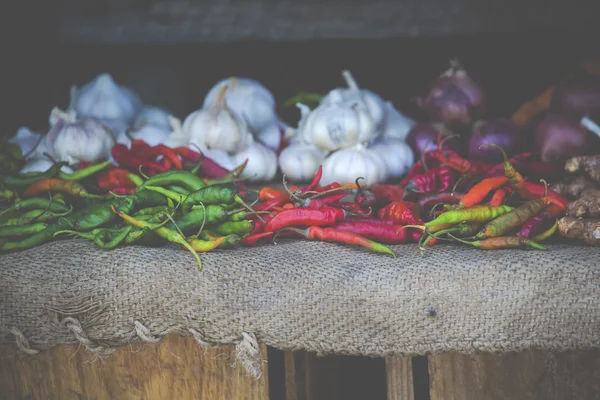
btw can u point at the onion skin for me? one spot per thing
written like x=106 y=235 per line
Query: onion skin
x=558 y=138
x=577 y=97
x=423 y=138
x=454 y=98
x=501 y=132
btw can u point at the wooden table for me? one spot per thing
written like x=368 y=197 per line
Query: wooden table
x=177 y=368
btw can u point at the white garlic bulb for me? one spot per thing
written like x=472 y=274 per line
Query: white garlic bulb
x=151 y=115
x=42 y=165
x=300 y=162
x=248 y=98
x=354 y=94
x=73 y=140
x=396 y=125
x=217 y=127
x=151 y=134
x=262 y=162
x=337 y=125
x=106 y=101
x=396 y=154
x=177 y=137
x=346 y=165
x=271 y=136
x=32 y=144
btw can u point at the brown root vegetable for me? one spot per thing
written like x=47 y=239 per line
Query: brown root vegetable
x=574 y=187
x=589 y=164
x=588 y=205
x=586 y=230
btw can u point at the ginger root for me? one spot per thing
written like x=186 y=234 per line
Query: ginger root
x=574 y=187
x=586 y=230
x=588 y=205
x=589 y=164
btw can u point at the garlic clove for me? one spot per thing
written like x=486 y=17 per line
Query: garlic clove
x=271 y=136
x=397 y=156
x=262 y=162
x=300 y=162
x=396 y=124
x=346 y=165
x=152 y=115
x=177 y=137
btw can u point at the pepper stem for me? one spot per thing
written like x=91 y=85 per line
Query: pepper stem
x=241 y=201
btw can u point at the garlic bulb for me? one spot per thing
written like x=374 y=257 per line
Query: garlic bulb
x=217 y=127
x=74 y=140
x=42 y=165
x=247 y=98
x=262 y=162
x=396 y=124
x=32 y=144
x=105 y=100
x=271 y=136
x=396 y=154
x=300 y=162
x=337 y=125
x=177 y=137
x=152 y=116
x=354 y=94
x=346 y=165
x=151 y=134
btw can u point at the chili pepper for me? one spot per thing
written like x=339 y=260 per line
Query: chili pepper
x=515 y=218
x=266 y=194
x=105 y=238
x=209 y=168
x=213 y=195
x=235 y=227
x=400 y=212
x=175 y=177
x=498 y=197
x=167 y=153
x=137 y=181
x=538 y=223
x=502 y=242
x=479 y=213
x=254 y=238
x=541 y=237
x=317 y=203
x=115 y=178
x=193 y=220
x=480 y=191
x=425 y=182
x=35 y=215
x=337 y=236
x=29 y=180
x=533 y=191
x=431 y=200
x=19 y=230
x=36 y=203
x=305 y=217
x=58 y=185
x=204 y=246
x=152 y=210
x=123 y=191
x=126 y=158
x=383 y=233
x=456 y=162
x=242 y=215
x=315 y=182
x=445 y=179
x=145 y=237
x=84 y=172
x=165 y=233
x=416 y=169
x=188 y=154
x=179 y=198
x=271 y=204
x=459 y=230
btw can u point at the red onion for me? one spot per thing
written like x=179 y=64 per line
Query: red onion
x=423 y=138
x=557 y=138
x=577 y=97
x=454 y=98
x=501 y=132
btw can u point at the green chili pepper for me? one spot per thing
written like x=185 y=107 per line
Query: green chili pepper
x=35 y=215
x=179 y=189
x=479 y=213
x=8 y=231
x=28 y=180
x=37 y=202
x=105 y=238
x=176 y=177
x=143 y=237
x=214 y=195
x=85 y=172
x=204 y=246
x=152 y=210
x=167 y=193
x=194 y=220
x=237 y=227
x=137 y=181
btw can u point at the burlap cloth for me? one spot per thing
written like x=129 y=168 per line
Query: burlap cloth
x=315 y=296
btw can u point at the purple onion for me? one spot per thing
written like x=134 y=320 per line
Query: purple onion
x=558 y=138
x=423 y=138
x=577 y=97
x=454 y=98
x=501 y=132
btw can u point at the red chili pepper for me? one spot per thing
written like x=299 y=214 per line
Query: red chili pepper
x=324 y=201
x=535 y=225
x=267 y=193
x=315 y=182
x=253 y=239
x=270 y=204
x=480 y=191
x=456 y=162
x=498 y=197
x=140 y=149
x=124 y=158
x=533 y=191
x=400 y=212
x=114 y=178
x=390 y=234
x=124 y=191
x=388 y=193
x=167 y=153
x=165 y=162
x=305 y=217
x=188 y=154
x=445 y=178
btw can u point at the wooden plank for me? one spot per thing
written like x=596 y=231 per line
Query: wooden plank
x=175 y=368
x=528 y=375
x=169 y=21
x=399 y=373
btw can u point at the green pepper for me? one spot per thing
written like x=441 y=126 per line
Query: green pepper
x=14 y=231
x=214 y=195
x=235 y=227
x=175 y=177
x=28 y=180
x=84 y=172
x=37 y=203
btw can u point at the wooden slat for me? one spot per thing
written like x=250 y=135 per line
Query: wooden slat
x=399 y=373
x=528 y=375
x=176 y=368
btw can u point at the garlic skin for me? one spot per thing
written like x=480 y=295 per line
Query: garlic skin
x=299 y=162
x=29 y=141
x=271 y=136
x=177 y=137
x=397 y=156
x=248 y=98
x=217 y=127
x=151 y=115
x=42 y=165
x=151 y=134
x=262 y=162
x=396 y=125
x=105 y=100
x=74 y=140
x=337 y=125
x=373 y=103
x=346 y=165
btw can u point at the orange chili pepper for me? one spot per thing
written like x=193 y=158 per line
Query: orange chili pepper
x=498 y=197
x=480 y=191
x=58 y=185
